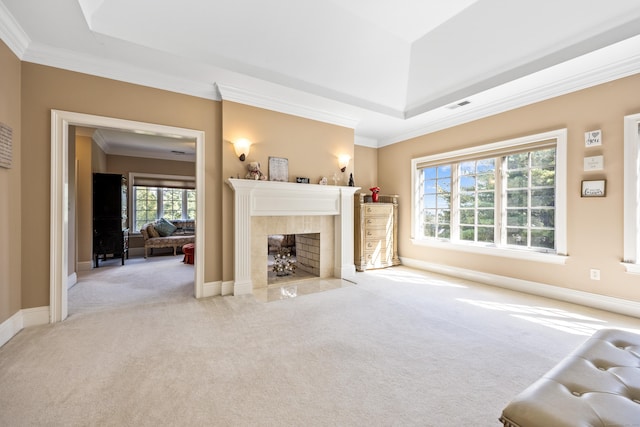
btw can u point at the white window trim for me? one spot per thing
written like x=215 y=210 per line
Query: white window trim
x=631 y=195
x=560 y=257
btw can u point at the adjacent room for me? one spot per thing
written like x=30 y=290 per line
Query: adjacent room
x=320 y=213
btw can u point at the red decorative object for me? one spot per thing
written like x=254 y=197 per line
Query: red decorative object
x=189 y=253
x=374 y=193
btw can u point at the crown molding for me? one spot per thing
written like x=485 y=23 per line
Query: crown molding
x=116 y=70
x=234 y=94
x=12 y=33
x=365 y=141
x=572 y=83
x=98 y=138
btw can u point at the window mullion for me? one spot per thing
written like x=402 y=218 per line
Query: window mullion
x=529 y=186
x=455 y=202
x=501 y=202
x=160 y=202
x=184 y=204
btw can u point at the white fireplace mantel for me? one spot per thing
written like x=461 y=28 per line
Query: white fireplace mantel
x=270 y=198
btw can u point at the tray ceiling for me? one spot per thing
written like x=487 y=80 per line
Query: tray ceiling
x=389 y=69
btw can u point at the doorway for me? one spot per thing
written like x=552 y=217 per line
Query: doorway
x=60 y=123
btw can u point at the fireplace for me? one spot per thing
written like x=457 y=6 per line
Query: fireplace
x=264 y=208
x=292 y=257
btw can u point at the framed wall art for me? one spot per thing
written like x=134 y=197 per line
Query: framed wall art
x=596 y=188
x=278 y=169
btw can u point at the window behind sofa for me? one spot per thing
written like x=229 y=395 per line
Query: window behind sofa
x=162 y=196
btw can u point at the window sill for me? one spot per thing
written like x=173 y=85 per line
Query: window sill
x=631 y=267
x=493 y=251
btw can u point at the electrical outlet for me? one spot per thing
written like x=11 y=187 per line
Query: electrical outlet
x=594 y=274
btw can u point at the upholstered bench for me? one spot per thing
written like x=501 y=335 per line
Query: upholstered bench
x=598 y=384
x=153 y=238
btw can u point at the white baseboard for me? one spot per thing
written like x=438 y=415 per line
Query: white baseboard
x=35 y=316
x=22 y=319
x=212 y=289
x=242 y=288
x=227 y=288
x=10 y=327
x=603 y=302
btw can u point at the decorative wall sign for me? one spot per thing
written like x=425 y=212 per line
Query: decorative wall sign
x=302 y=180
x=593 y=138
x=278 y=169
x=593 y=188
x=595 y=163
x=6 y=146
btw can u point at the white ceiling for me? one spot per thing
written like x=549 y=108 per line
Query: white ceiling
x=388 y=68
x=141 y=144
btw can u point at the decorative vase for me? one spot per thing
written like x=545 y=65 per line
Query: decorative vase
x=374 y=193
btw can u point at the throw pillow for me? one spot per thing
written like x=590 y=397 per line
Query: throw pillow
x=164 y=227
x=152 y=231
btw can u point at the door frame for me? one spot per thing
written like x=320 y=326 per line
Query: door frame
x=60 y=122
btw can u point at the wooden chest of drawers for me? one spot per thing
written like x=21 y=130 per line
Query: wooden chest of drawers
x=376 y=244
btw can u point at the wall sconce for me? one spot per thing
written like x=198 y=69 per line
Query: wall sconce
x=343 y=161
x=241 y=146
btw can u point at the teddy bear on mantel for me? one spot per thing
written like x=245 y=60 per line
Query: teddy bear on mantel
x=255 y=172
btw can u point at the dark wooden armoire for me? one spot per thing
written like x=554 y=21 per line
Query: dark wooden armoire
x=110 y=230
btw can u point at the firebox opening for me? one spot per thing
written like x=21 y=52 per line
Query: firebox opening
x=292 y=257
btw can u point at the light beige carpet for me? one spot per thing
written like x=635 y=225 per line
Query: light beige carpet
x=400 y=348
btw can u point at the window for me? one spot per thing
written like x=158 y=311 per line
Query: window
x=504 y=196
x=155 y=197
x=631 y=260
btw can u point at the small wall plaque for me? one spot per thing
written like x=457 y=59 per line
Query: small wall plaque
x=6 y=148
x=594 y=163
x=301 y=180
x=593 y=138
x=593 y=188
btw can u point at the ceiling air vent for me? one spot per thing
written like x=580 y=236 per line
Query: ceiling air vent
x=458 y=105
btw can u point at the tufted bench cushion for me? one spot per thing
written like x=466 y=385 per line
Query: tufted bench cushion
x=598 y=384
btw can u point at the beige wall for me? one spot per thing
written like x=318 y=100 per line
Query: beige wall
x=30 y=91
x=125 y=164
x=312 y=148
x=45 y=88
x=72 y=203
x=595 y=225
x=84 y=207
x=10 y=182
x=365 y=169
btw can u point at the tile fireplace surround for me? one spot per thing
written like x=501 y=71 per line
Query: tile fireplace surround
x=267 y=207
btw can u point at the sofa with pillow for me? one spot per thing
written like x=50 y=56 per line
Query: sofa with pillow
x=167 y=234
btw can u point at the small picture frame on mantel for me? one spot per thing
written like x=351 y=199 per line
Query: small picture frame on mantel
x=594 y=188
x=278 y=169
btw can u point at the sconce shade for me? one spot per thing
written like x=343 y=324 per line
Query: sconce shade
x=241 y=147
x=343 y=161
